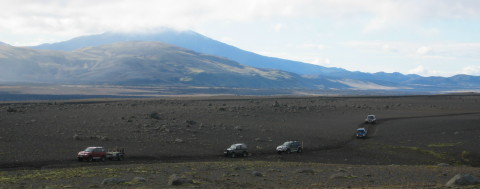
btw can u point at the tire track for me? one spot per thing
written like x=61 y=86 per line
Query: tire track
x=264 y=155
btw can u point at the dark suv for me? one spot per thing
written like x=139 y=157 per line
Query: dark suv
x=235 y=150
x=290 y=146
x=92 y=153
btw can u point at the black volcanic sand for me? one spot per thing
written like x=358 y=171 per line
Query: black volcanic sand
x=411 y=130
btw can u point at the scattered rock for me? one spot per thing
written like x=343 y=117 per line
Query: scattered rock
x=443 y=164
x=190 y=122
x=342 y=175
x=175 y=180
x=276 y=104
x=306 y=171
x=238 y=128
x=138 y=180
x=10 y=109
x=177 y=140
x=274 y=170
x=257 y=174
x=76 y=137
x=239 y=168
x=113 y=181
x=463 y=180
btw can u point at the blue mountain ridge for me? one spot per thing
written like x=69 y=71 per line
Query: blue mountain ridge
x=200 y=43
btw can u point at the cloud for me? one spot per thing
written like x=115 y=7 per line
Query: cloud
x=420 y=70
x=424 y=50
x=447 y=51
x=90 y=16
x=424 y=71
x=471 y=70
x=377 y=46
x=312 y=46
x=321 y=62
x=278 y=27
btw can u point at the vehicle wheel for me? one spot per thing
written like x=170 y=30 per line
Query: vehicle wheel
x=244 y=154
x=299 y=150
x=120 y=158
x=288 y=151
x=233 y=155
x=279 y=152
x=80 y=159
x=103 y=158
x=89 y=159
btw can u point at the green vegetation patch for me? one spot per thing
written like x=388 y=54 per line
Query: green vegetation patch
x=420 y=150
x=441 y=145
x=56 y=174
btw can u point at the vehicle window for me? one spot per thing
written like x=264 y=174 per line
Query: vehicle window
x=88 y=150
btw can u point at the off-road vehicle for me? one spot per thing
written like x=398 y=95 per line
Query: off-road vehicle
x=371 y=119
x=99 y=153
x=362 y=133
x=235 y=150
x=116 y=154
x=290 y=146
x=92 y=153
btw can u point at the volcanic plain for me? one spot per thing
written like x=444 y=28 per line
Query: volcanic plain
x=417 y=142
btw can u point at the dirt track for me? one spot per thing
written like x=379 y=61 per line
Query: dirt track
x=198 y=129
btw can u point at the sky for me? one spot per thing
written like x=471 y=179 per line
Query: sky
x=425 y=37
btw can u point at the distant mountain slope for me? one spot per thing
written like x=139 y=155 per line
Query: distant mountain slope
x=196 y=42
x=319 y=75
x=141 y=63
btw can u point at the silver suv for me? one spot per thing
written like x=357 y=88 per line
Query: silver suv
x=290 y=146
x=371 y=119
x=235 y=150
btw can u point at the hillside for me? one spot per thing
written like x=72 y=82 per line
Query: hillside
x=196 y=42
x=321 y=76
x=140 y=63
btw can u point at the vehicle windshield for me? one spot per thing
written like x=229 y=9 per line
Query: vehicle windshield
x=233 y=146
x=371 y=117
x=88 y=150
x=285 y=143
x=360 y=131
